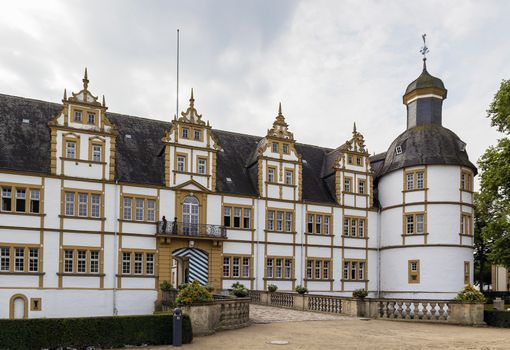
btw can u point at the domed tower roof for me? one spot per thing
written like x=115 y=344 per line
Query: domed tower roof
x=425 y=80
x=427 y=144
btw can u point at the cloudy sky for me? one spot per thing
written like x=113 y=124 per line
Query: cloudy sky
x=330 y=63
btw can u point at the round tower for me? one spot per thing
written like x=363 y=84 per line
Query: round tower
x=425 y=189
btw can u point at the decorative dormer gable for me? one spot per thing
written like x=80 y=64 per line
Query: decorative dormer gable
x=354 y=177
x=279 y=163
x=190 y=150
x=83 y=139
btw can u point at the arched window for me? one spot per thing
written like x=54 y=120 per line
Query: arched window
x=18 y=306
x=190 y=216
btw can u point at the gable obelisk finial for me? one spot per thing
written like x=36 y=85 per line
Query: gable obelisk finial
x=192 y=99
x=65 y=94
x=354 y=128
x=85 y=79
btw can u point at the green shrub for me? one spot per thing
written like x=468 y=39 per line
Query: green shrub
x=239 y=290
x=272 y=288
x=104 y=332
x=360 y=293
x=469 y=293
x=497 y=318
x=301 y=290
x=182 y=286
x=193 y=293
x=165 y=286
x=209 y=288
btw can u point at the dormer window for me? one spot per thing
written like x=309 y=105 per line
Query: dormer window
x=181 y=163
x=349 y=159
x=92 y=118
x=202 y=166
x=77 y=116
x=398 y=150
x=285 y=148
x=96 y=153
x=71 y=149
x=197 y=135
x=359 y=161
x=274 y=147
x=185 y=133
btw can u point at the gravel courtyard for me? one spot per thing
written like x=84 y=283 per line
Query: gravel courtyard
x=306 y=330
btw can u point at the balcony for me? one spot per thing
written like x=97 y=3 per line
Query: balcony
x=187 y=230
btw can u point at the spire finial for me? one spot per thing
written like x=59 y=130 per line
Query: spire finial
x=65 y=94
x=280 y=108
x=104 y=103
x=354 y=128
x=192 y=99
x=424 y=51
x=85 y=79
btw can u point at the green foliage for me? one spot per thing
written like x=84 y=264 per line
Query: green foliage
x=239 y=290
x=359 y=293
x=193 y=293
x=469 y=293
x=165 y=286
x=497 y=318
x=499 y=110
x=182 y=286
x=272 y=288
x=209 y=288
x=301 y=290
x=104 y=332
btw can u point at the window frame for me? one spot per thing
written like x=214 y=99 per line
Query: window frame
x=131 y=261
x=284 y=263
x=411 y=272
x=354 y=267
x=325 y=229
x=318 y=265
x=82 y=265
x=414 y=224
x=184 y=157
x=411 y=180
x=360 y=230
x=205 y=165
x=280 y=218
x=76 y=204
x=274 y=170
x=231 y=208
x=134 y=209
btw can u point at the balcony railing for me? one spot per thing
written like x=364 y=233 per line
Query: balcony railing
x=191 y=230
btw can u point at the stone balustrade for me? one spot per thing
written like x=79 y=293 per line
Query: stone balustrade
x=439 y=311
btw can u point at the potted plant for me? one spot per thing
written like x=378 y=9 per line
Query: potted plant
x=193 y=293
x=360 y=293
x=165 y=286
x=272 y=288
x=301 y=290
x=469 y=293
x=239 y=290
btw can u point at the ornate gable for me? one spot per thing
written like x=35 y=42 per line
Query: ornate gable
x=356 y=143
x=191 y=115
x=280 y=129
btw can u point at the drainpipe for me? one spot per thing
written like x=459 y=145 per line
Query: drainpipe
x=379 y=253
x=115 y=249
x=302 y=233
x=256 y=260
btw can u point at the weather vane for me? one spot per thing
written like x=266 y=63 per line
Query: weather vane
x=424 y=50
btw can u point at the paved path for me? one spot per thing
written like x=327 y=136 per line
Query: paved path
x=268 y=314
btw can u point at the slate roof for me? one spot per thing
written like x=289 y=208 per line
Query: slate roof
x=425 y=80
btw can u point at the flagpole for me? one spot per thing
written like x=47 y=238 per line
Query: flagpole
x=177 y=98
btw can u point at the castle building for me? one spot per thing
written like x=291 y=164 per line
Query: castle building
x=98 y=208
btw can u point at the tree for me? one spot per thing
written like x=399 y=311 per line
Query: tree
x=493 y=202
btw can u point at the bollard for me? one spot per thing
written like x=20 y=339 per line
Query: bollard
x=177 y=328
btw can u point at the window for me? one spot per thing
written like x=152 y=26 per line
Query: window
x=347 y=184
x=271 y=171
x=398 y=150
x=95 y=206
x=241 y=217
x=83 y=204
x=68 y=261
x=289 y=177
x=94 y=261
x=151 y=210
x=19 y=259
x=92 y=118
x=81 y=267
x=246 y=267
x=202 y=166
x=354 y=227
x=285 y=148
x=197 y=135
x=6 y=199
x=349 y=159
x=415 y=180
x=96 y=153
x=69 y=196
x=415 y=223
x=359 y=161
x=361 y=186
x=149 y=264
x=354 y=270
x=5 y=259
x=236 y=266
x=128 y=202
x=185 y=133
x=35 y=197
x=137 y=263
x=226 y=266
x=126 y=263
x=318 y=269
x=466 y=181
x=274 y=147
x=413 y=271
x=279 y=268
x=181 y=163
x=71 y=149
x=284 y=220
x=466 y=224
x=139 y=209
x=467 y=273
x=21 y=200
x=77 y=116
x=318 y=223
x=33 y=260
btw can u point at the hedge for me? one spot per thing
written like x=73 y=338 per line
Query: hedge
x=104 y=332
x=497 y=318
